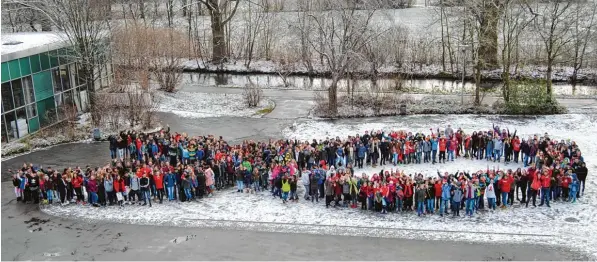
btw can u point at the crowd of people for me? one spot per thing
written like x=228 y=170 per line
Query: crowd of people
x=185 y=168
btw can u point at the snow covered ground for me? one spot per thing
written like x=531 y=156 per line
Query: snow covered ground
x=200 y=105
x=564 y=224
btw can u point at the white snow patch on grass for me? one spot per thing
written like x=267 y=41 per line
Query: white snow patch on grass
x=201 y=105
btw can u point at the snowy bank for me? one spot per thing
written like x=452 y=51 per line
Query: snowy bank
x=200 y=105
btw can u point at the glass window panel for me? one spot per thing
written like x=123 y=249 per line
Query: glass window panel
x=15 y=69
x=9 y=120
x=54 y=58
x=57 y=80
x=67 y=98
x=5 y=72
x=72 y=71
x=18 y=93
x=31 y=111
x=4 y=133
x=21 y=122
x=46 y=109
x=7 y=102
x=25 y=66
x=65 y=76
x=59 y=106
x=28 y=88
x=35 y=66
x=44 y=61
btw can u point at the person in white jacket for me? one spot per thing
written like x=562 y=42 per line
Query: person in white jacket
x=305 y=179
x=490 y=194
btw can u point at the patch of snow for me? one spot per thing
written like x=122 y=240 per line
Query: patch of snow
x=200 y=105
x=564 y=224
x=30 y=40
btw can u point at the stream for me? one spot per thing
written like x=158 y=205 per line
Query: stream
x=427 y=86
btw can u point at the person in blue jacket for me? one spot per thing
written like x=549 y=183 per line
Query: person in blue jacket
x=434 y=147
x=443 y=207
x=361 y=153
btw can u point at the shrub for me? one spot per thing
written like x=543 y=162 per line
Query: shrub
x=252 y=94
x=530 y=97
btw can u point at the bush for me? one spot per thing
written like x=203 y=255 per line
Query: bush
x=530 y=97
x=252 y=94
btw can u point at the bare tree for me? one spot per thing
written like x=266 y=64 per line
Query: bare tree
x=340 y=38
x=583 y=27
x=167 y=57
x=220 y=17
x=556 y=20
x=85 y=25
x=515 y=19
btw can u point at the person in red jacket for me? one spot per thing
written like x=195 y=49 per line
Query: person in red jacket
x=158 y=180
x=77 y=182
x=119 y=189
x=442 y=150
x=505 y=185
x=438 y=193
x=545 y=179
x=516 y=148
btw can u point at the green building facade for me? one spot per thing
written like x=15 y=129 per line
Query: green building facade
x=40 y=88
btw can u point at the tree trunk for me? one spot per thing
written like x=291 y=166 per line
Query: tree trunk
x=333 y=97
x=548 y=79
x=488 y=44
x=218 y=37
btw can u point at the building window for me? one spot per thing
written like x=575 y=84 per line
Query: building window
x=18 y=93
x=4 y=132
x=72 y=71
x=57 y=80
x=47 y=111
x=64 y=75
x=25 y=66
x=10 y=125
x=7 y=102
x=28 y=88
x=22 y=128
x=35 y=64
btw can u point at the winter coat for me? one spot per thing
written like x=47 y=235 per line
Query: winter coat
x=109 y=185
x=420 y=195
x=434 y=144
x=285 y=186
x=144 y=183
x=92 y=186
x=490 y=191
x=498 y=144
x=446 y=191
x=135 y=183
x=329 y=189
x=170 y=179
x=158 y=180
x=426 y=146
x=305 y=178
x=506 y=184
x=457 y=194
x=119 y=185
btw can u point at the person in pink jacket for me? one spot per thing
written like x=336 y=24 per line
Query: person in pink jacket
x=209 y=181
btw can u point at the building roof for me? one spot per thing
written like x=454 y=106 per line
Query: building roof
x=17 y=45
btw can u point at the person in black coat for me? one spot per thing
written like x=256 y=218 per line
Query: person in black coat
x=581 y=173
